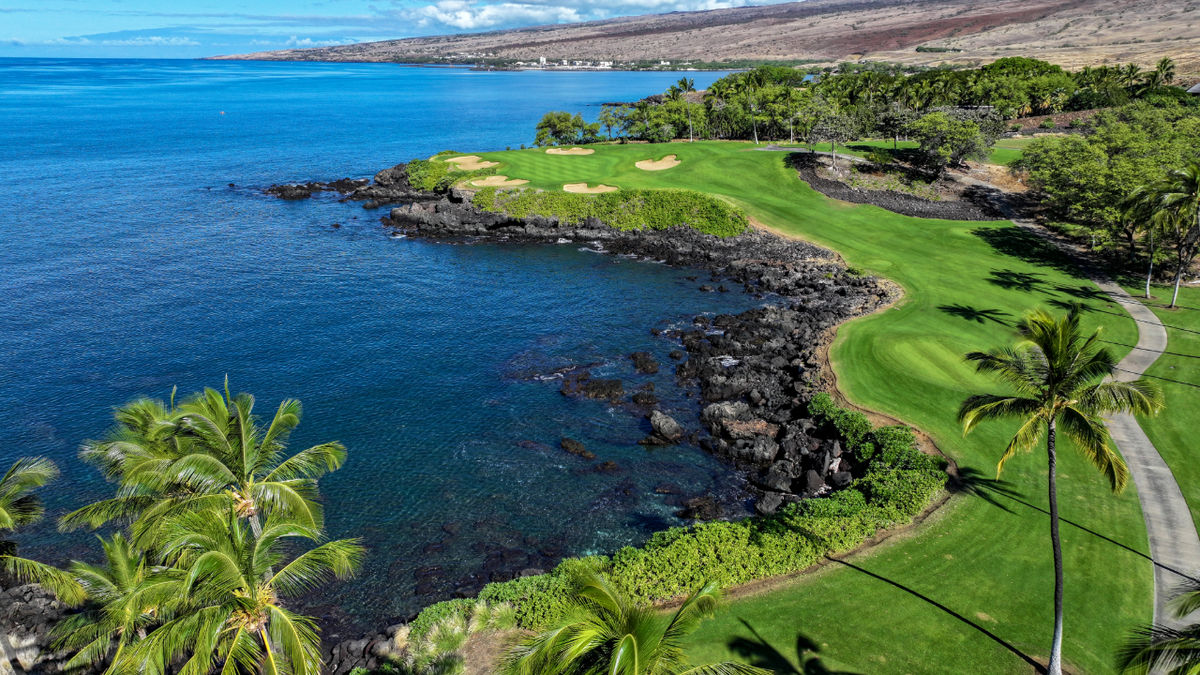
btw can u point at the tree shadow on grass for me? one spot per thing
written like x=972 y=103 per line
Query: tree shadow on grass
x=1001 y=493
x=975 y=314
x=761 y=653
x=1083 y=292
x=925 y=598
x=1012 y=280
x=1027 y=246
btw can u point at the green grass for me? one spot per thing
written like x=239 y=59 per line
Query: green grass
x=922 y=604
x=856 y=148
x=1178 y=373
x=1008 y=150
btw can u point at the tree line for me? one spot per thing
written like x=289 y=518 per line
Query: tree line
x=1119 y=184
x=776 y=103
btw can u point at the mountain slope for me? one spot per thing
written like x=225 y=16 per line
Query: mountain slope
x=1070 y=32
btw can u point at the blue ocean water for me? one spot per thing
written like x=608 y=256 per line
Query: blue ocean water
x=138 y=253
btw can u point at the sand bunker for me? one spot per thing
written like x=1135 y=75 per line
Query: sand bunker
x=668 y=162
x=498 y=181
x=570 y=151
x=471 y=163
x=582 y=188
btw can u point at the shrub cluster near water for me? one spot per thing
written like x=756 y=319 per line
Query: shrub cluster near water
x=899 y=484
x=437 y=175
x=624 y=210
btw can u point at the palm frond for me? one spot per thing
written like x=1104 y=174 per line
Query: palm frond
x=726 y=668
x=987 y=407
x=1140 y=397
x=99 y=513
x=297 y=639
x=1091 y=439
x=340 y=558
x=58 y=582
x=1159 y=649
x=1027 y=436
x=310 y=463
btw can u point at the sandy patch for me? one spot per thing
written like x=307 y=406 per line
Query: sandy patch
x=471 y=163
x=570 y=151
x=668 y=162
x=582 y=188
x=498 y=181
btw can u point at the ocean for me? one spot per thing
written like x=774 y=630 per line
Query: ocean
x=138 y=254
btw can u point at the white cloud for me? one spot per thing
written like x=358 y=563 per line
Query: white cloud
x=468 y=15
x=296 y=41
x=152 y=41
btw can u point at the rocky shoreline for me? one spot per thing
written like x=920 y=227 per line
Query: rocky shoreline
x=755 y=371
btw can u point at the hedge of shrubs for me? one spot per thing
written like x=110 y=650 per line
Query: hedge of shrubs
x=624 y=210
x=898 y=484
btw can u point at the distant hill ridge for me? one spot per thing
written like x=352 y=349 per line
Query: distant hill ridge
x=1072 y=33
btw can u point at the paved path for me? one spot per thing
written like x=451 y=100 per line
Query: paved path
x=1174 y=545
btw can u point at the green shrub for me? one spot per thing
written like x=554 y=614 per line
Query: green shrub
x=436 y=175
x=1014 y=127
x=851 y=426
x=880 y=156
x=623 y=210
x=1047 y=123
x=540 y=600
x=420 y=626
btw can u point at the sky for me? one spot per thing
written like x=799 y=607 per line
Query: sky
x=196 y=28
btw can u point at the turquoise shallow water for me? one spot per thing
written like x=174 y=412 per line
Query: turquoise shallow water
x=129 y=265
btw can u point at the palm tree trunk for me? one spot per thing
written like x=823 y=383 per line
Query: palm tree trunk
x=1178 y=277
x=1055 y=666
x=690 y=138
x=1150 y=271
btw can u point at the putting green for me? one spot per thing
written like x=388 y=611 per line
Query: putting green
x=969 y=591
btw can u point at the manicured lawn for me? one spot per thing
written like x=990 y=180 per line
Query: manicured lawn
x=1008 y=150
x=1178 y=372
x=971 y=591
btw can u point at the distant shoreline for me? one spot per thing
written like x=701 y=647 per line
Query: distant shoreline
x=488 y=68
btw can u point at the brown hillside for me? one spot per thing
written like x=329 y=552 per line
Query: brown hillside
x=1070 y=32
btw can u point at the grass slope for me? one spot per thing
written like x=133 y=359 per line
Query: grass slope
x=1178 y=372
x=971 y=591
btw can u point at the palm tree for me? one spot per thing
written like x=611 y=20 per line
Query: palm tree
x=1056 y=373
x=1165 y=70
x=608 y=633
x=685 y=86
x=1130 y=74
x=126 y=597
x=643 y=107
x=1140 y=215
x=205 y=453
x=1179 y=197
x=19 y=506
x=749 y=84
x=1166 y=649
x=227 y=610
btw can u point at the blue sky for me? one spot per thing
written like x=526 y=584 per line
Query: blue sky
x=193 y=28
